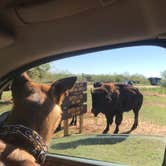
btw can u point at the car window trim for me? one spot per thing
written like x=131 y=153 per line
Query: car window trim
x=70 y=160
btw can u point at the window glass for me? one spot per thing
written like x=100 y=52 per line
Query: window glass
x=141 y=67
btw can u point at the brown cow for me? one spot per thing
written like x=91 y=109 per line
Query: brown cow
x=30 y=125
x=114 y=99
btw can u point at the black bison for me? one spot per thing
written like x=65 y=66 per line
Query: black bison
x=114 y=99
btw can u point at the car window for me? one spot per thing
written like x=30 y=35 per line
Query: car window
x=125 y=87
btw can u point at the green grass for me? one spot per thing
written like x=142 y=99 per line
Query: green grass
x=7 y=95
x=5 y=104
x=153 y=99
x=154 y=89
x=154 y=114
x=132 y=151
x=153 y=109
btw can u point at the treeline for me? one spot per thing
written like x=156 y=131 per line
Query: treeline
x=119 y=78
x=42 y=74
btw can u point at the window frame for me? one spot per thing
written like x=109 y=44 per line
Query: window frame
x=5 y=80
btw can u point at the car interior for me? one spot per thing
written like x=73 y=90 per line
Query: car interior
x=34 y=32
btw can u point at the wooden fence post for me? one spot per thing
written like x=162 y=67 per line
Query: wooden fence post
x=80 y=123
x=66 y=127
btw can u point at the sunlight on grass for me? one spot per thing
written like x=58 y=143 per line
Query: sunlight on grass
x=6 y=104
x=154 y=99
x=133 y=151
x=155 y=89
x=152 y=114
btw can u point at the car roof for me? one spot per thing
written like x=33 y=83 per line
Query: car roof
x=38 y=29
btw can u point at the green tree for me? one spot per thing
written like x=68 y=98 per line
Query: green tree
x=163 y=75
x=39 y=73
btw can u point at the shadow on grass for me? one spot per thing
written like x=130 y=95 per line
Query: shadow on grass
x=93 y=140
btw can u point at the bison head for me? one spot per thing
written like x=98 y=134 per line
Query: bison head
x=101 y=98
x=97 y=84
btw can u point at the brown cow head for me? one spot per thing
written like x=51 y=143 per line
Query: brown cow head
x=38 y=106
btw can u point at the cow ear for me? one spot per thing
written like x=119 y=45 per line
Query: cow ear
x=59 y=87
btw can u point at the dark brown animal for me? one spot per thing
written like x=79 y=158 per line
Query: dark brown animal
x=30 y=125
x=114 y=99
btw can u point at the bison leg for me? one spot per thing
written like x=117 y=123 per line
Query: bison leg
x=73 y=121
x=135 y=124
x=118 y=120
x=109 y=122
x=136 y=111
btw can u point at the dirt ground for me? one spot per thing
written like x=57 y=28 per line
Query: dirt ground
x=93 y=125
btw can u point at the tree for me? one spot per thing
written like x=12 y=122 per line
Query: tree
x=163 y=75
x=40 y=72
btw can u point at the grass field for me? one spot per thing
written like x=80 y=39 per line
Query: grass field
x=136 y=151
x=131 y=150
x=153 y=109
x=154 y=105
x=5 y=104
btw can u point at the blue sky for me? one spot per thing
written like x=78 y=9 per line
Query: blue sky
x=146 y=60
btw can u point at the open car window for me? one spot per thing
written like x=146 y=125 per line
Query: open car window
x=141 y=67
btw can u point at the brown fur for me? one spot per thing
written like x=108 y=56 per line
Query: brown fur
x=114 y=99
x=36 y=106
